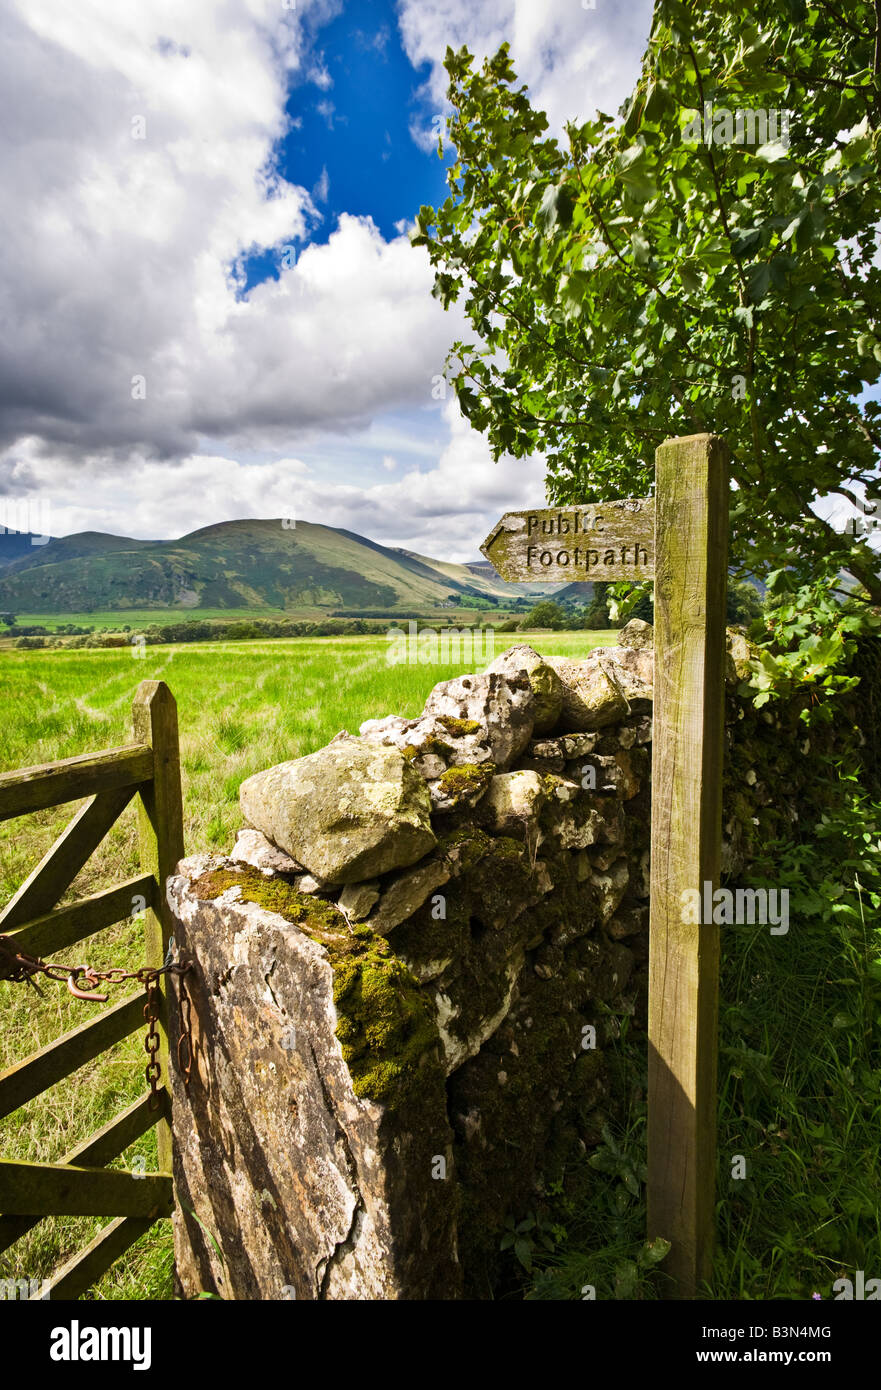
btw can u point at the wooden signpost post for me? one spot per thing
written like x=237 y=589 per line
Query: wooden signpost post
x=679 y=538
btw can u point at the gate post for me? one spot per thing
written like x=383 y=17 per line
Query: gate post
x=160 y=829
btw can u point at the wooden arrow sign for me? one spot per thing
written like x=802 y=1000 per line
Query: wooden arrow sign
x=607 y=541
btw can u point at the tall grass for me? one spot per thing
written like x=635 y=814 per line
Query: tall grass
x=799 y=1094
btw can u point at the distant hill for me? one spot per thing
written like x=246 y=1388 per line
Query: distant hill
x=235 y=565
x=15 y=544
x=580 y=591
x=483 y=577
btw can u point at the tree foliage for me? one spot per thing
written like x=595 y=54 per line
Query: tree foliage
x=631 y=284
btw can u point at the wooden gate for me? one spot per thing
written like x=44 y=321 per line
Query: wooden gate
x=80 y=1185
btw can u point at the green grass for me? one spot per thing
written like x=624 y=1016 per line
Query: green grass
x=242 y=707
x=137 y=618
x=799 y=1095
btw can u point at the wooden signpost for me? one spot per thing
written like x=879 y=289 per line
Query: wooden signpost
x=679 y=538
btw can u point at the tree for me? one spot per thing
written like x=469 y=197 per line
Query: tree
x=641 y=283
x=546 y=613
x=597 y=612
x=743 y=603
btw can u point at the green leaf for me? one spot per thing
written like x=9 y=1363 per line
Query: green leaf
x=772 y=152
x=555 y=209
x=626 y=1279
x=523 y=1251
x=758 y=282
x=653 y=1251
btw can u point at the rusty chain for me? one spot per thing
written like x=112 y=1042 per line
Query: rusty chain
x=83 y=981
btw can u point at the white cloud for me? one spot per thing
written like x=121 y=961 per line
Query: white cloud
x=123 y=256
x=322 y=187
x=319 y=74
x=444 y=509
x=326 y=111
x=574 y=60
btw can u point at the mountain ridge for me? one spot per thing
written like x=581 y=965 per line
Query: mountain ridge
x=246 y=565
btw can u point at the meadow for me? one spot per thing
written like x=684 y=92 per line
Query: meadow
x=120 y=620
x=800 y=1066
x=242 y=706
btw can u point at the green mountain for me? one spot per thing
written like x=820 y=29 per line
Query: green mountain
x=236 y=565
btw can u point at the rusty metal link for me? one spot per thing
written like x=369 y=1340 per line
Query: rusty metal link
x=185 y=1037
x=83 y=982
x=152 y=1071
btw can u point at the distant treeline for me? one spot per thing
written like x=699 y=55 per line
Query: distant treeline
x=447 y=615
x=70 y=637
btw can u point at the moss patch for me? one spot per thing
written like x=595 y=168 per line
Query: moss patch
x=458 y=727
x=387 y=1031
x=466 y=780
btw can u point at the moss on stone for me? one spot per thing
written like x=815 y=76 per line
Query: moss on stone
x=466 y=779
x=467 y=844
x=385 y=1027
x=275 y=894
x=387 y=1032
x=459 y=727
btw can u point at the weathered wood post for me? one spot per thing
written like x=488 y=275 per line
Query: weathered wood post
x=691 y=571
x=160 y=828
x=679 y=538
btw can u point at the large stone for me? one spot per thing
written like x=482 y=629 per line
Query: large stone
x=512 y=804
x=351 y=811
x=305 y=1186
x=502 y=706
x=454 y=756
x=252 y=847
x=637 y=634
x=406 y=894
x=543 y=679
x=357 y=899
x=741 y=656
x=611 y=887
x=577 y=819
x=604 y=688
x=608 y=773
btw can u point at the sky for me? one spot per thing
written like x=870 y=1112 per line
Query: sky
x=210 y=305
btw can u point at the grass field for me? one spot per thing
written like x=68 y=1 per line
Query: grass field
x=136 y=618
x=242 y=707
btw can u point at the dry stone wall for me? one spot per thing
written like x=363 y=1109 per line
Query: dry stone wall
x=410 y=967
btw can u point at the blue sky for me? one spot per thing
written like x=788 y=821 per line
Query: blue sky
x=352 y=143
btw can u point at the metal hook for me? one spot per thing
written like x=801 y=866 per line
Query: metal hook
x=83 y=993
